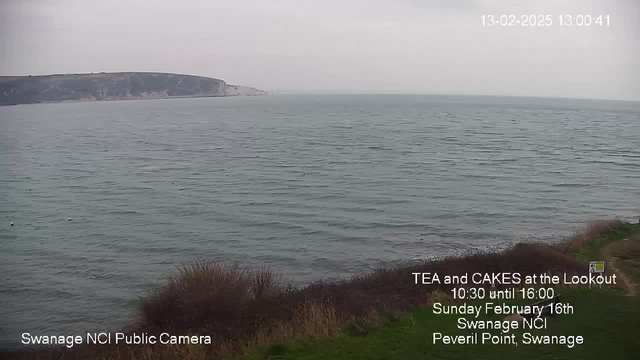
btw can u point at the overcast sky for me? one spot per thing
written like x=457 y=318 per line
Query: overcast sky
x=396 y=46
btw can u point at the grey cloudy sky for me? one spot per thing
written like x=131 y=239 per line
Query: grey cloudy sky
x=406 y=46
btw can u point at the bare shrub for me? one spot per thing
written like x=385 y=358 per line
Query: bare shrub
x=311 y=320
x=265 y=282
x=201 y=293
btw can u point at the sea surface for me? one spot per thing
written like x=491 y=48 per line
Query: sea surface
x=314 y=185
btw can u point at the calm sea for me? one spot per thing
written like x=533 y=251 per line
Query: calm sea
x=313 y=185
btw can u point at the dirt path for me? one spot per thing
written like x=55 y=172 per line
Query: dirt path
x=631 y=288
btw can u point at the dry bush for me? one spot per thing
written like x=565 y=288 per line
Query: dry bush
x=200 y=294
x=311 y=320
x=315 y=320
x=265 y=282
x=589 y=232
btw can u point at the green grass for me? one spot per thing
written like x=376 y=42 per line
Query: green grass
x=591 y=249
x=608 y=321
x=632 y=270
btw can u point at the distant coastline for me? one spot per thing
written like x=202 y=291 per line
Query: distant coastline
x=16 y=90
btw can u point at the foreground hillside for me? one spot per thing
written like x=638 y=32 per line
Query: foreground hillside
x=385 y=314
x=606 y=319
x=112 y=86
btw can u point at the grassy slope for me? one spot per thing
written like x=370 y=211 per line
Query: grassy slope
x=605 y=318
x=591 y=250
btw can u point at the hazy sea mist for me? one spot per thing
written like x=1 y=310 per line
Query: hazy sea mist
x=313 y=185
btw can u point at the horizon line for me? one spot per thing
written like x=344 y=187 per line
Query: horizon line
x=371 y=92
